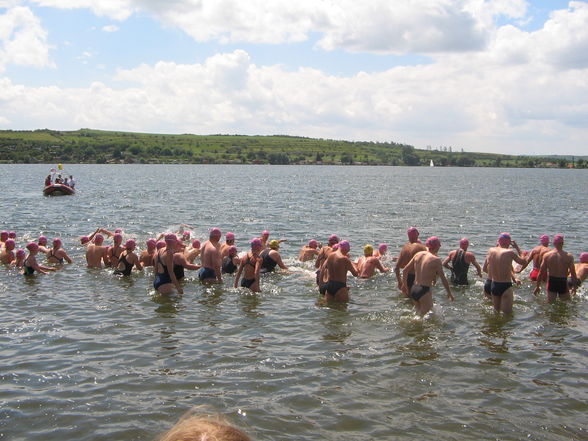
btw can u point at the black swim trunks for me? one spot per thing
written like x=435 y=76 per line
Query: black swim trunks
x=410 y=281
x=418 y=291
x=332 y=287
x=206 y=273
x=246 y=283
x=498 y=288
x=557 y=284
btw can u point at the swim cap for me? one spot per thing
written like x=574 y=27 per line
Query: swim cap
x=151 y=243
x=344 y=245
x=195 y=243
x=265 y=233
x=171 y=238
x=383 y=248
x=230 y=236
x=504 y=240
x=584 y=258
x=4 y=236
x=130 y=244
x=84 y=239
x=42 y=240
x=9 y=244
x=12 y=235
x=274 y=244
x=117 y=238
x=433 y=243
x=160 y=244
x=333 y=239
x=98 y=239
x=256 y=243
x=368 y=250
x=57 y=242
x=233 y=249
x=544 y=239
x=312 y=243
x=412 y=233
x=32 y=246
x=186 y=234
x=558 y=238
x=20 y=253
x=464 y=243
x=215 y=232
x=118 y=231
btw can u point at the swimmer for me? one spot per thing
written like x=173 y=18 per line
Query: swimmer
x=3 y=238
x=382 y=252
x=42 y=242
x=229 y=242
x=128 y=259
x=271 y=257
x=30 y=264
x=250 y=267
x=181 y=263
x=426 y=266
x=7 y=255
x=210 y=258
x=146 y=257
x=556 y=266
x=461 y=259
x=97 y=253
x=265 y=238
x=309 y=251
x=407 y=252
x=57 y=254
x=322 y=257
x=368 y=263
x=335 y=270
x=19 y=259
x=499 y=265
x=165 y=278
x=193 y=251
x=536 y=256
x=231 y=261
x=203 y=427
x=12 y=235
x=581 y=273
x=115 y=250
x=86 y=240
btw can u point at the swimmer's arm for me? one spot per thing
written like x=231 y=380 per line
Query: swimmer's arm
x=446 y=262
x=352 y=268
x=381 y=267
x=485 y=266
x=573 y=274
x=93 y=234
x=104 y=231
x=519 y=259
x=170 y=271
x=542 y=273
x=402 y=284
x=477 y=266
x=137 y=262
x=67 y=258
x=105 y=257
x=446 y=286
x=280 y=263
x=516 y=247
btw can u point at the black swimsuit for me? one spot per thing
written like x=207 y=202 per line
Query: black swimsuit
x=459 y=274
x=228 y=266
x=126 y=271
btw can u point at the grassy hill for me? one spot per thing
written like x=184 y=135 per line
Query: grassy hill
x=98 y=146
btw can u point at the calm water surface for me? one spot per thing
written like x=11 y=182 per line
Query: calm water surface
x=86 y=355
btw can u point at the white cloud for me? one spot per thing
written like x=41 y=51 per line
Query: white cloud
x=115 y=9
x=110 y=28
x=22 y=39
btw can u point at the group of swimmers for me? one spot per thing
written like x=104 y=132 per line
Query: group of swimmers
x=417 y=268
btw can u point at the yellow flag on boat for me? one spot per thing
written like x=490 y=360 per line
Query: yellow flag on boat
x=60 y=167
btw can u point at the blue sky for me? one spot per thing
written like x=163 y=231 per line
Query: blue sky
x=506 y=76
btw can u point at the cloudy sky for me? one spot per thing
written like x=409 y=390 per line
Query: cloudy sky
x=506 y=76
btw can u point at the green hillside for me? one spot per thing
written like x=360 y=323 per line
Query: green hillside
x=97 y=146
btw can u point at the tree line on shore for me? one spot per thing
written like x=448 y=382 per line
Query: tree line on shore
x=101 y=147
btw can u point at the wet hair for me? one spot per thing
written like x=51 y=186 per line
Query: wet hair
x=204 y=427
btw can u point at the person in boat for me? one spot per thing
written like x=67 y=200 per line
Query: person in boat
x=7 y=255
x=58 y=179
x=165 y=278
x=309 y=251
x=57 y=254
x=335 y=271
x=459 y=261
x=30 y=264
x=210 y=258
x=581 y=273
x=271 y=257
x=72 y=183
x=426 y=266
x=368 y=263
x=146 y=257
x=48 y=181
x=250 y=267
x=229 y=242
x=556 y=266
x=97 y=253
x=230 y=261
x=407 y=252
x=66 y=182
x=128 y=259
x=115 y=250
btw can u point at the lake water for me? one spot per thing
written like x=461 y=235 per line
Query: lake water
x=86 y=355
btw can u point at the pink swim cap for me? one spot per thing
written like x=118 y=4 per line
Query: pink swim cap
x=42 y=240
x=382 y=248
x=230 y=236
x=130 y=244
x=117 y=238
x=84 y=239
x=32 y=246
x=151 y=243
x=118 y=231
x=186 y=234
x=544 y=239
x=335 y=247
x=433 y=243
x=504 y=240
x=170 y=238
x=20 y=253
x=256 y=243
x=10 y=244
x=98 y=239
x=558 y=238
x=412 y=233
x=344 y=245
x=12 y=235
x=57 y=242
x=195 y=243
x=265 y=233
x=333 y=239
x=4 y=236
x=215 y=232
x=160 y=244
x=312 y=243
x=464 y=243
x=584 y=258
x=233 y=249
